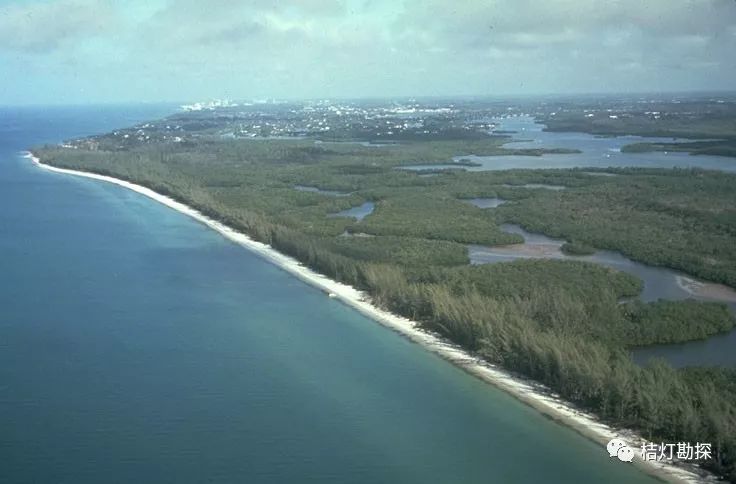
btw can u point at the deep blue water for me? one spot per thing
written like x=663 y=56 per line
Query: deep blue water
x=139 y=346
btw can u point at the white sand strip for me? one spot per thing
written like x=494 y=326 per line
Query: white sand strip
x=707 y=290
x=528 y=392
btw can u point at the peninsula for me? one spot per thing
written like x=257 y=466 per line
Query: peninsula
x=566 y=324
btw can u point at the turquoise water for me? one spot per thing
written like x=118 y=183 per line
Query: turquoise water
x=136 y=345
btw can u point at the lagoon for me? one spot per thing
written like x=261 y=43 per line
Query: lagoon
x=358 y=213
x=659 y=283
x=485 y=202
x=595 y=152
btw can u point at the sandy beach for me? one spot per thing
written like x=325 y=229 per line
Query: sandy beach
x=526 y=391
x=707 y=290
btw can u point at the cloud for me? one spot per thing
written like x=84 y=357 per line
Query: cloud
x=514 y=23
x=232 y=34
x=310 y=48
x=45 y=26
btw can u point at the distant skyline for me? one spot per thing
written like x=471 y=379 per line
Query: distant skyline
x=109 y=51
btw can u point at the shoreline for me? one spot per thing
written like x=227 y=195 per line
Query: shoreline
x=526 y=391
x=708 y=290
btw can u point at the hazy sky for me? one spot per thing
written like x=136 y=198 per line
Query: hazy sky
x=72 y=51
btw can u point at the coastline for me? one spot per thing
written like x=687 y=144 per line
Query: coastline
x=526 y=391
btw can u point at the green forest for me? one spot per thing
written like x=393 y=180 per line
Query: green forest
x=567 y=324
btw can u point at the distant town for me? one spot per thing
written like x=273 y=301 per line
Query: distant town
x=394 y=121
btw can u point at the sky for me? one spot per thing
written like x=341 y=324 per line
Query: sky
x=94 y=51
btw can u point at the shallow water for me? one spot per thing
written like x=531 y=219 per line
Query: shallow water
x=596 y=151
x=659 y=283
x=136 y=345
x=485 y=202
x=714 y=351
x=359 y=213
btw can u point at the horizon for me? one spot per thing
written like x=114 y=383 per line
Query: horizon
x=75 y=52
x=398 y=98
